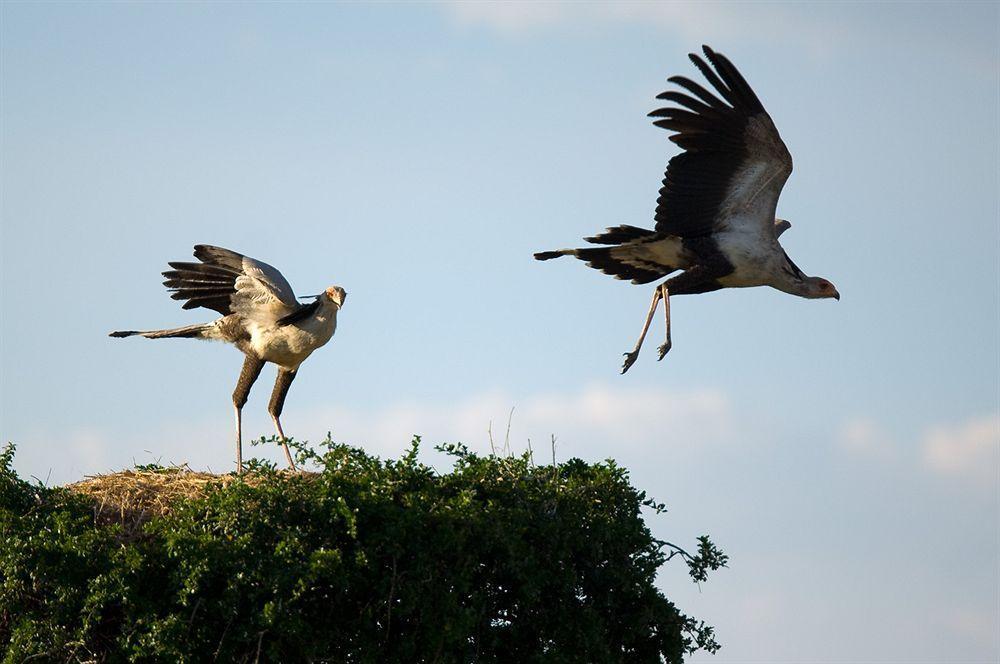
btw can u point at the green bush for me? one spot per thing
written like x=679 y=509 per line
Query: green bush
x=365 y=560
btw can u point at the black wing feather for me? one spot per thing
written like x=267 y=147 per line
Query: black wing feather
x=697 y=91
x=741 y=89
x=303 y=312
x=711 y=131
x=684 y=100
x=712 y=78
x=208 y=284
x=218 y=257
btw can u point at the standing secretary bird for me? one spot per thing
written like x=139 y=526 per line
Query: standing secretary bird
x=260 y=316
x=715 y=216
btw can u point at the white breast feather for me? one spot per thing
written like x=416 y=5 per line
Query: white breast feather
x=289 y=345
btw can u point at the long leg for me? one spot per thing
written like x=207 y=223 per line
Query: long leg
x=251 y=369
x=281 y=385
x=701 y=278
x=630 y=358
x=665 y=348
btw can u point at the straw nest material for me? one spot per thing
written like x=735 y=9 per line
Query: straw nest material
x=132 y=497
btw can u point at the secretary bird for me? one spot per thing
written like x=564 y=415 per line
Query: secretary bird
x=715 y=215
x=260 y=316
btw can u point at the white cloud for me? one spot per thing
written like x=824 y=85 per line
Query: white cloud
x=978 y=626
x=864 y=436
x=593 y=422
x=968 y=450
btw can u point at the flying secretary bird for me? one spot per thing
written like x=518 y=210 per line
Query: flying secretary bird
x=260 y=316
x=715 y=216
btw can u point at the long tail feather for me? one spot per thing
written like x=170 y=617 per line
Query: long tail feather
x=549 y=255
x=189 y=331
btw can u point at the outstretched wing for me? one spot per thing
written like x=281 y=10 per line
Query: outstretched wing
x=231 y=283
x=734 y=162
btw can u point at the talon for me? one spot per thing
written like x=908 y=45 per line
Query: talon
x=664 y=349
x=630 y=359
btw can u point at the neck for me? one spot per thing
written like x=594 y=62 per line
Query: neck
x=328 y=309
x=789 y=284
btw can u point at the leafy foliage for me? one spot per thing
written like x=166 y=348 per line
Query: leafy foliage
x=366 y=560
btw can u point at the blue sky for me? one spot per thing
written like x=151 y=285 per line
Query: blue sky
x=845 y=454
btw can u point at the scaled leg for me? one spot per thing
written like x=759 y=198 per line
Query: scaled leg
x=281 y=385
x=251 y=369
x=630 y=358
x=665 y=348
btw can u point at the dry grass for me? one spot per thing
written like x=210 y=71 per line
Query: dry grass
x=132 y=497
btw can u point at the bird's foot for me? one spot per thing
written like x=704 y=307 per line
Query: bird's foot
x=630 y=359
x=664 y=349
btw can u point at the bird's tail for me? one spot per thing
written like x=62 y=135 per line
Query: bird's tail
x=548 y=255
x=615 y=235
x=198 y=331
x=629 y=255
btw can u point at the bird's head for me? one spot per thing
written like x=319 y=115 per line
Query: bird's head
x=336 y=294
x=817 y=288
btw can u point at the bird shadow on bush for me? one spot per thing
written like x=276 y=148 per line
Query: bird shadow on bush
x=359 y=560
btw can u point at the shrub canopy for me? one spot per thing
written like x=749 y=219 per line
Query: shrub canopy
x=364 y=560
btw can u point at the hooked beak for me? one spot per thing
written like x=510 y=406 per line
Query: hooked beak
x=836 y=295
